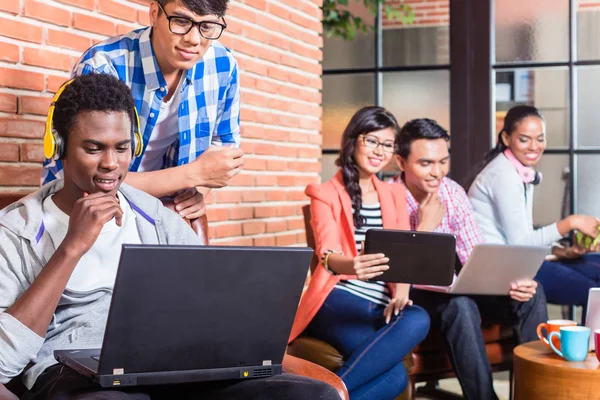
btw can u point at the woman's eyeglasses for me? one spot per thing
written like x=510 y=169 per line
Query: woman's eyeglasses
x=372 y=143
x=182 y=25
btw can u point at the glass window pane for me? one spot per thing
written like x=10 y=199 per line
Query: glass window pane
x=418 y=94
x=588 y=30
x=328 y=167
x=343 y=95
x=544 y=88
x=425 y=41
x=588 y=107
x=588 y=189
x=531 y=30
x=356 y=53
x=549 y=201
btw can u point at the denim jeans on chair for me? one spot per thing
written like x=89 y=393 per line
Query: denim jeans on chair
x=568 y=282
x=373 y=351
x=459 y=320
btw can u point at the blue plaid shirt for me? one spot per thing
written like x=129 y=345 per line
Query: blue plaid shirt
x=209 y=113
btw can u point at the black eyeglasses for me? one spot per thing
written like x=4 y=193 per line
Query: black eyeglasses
x=182 y=25
x=372 y=143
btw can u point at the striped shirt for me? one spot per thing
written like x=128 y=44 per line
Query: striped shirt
x=377 y=292
x=209 y=109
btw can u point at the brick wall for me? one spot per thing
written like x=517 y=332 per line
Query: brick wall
x=426 y=13
x=278 y=46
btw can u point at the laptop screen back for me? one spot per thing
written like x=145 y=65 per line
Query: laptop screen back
x=178 y=308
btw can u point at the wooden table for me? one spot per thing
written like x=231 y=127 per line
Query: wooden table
x=539 y=373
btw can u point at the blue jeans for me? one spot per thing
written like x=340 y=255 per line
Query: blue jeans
x=459 y=320
x=569 y=281
x=373 y=350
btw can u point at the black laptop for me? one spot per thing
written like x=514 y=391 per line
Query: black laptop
x=196 y=313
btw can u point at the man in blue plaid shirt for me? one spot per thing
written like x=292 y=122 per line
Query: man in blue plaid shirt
x=186 y=88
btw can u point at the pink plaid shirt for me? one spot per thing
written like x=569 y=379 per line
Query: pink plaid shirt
x=458 y=221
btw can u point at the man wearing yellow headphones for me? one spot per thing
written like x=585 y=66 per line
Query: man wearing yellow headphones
x=60 y=253
x=185 y=86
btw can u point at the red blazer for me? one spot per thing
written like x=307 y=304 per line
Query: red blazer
x=333 y=227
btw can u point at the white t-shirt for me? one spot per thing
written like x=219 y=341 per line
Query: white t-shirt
x=166 y=132
x=98 y=267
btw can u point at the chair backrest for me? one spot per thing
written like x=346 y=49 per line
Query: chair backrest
x=310 y=237
x=7 y=199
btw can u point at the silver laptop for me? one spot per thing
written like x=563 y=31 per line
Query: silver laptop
x=592 y=316
x=493 y=267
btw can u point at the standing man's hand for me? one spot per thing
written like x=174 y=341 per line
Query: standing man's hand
x=431 y=213
x=190 y=204
x=216 y=166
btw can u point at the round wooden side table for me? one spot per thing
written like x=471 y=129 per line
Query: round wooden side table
x=539 y=373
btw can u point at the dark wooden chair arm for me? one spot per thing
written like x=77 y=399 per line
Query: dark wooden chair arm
x=298 y=366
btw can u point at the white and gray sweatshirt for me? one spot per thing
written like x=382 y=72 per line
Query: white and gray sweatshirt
x=503 y=207
x=80 y=317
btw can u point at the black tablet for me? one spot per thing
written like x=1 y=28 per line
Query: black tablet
x=422 y=258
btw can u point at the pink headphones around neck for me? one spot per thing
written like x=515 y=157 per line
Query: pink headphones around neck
x=527 y=174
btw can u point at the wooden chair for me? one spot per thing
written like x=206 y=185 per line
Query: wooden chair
x=429 y=361
x=293 y=365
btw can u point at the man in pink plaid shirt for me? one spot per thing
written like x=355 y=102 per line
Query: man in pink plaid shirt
x=438 y=204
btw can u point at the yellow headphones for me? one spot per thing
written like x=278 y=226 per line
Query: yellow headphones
x=54 y=147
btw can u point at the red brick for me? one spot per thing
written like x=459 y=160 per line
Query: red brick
x=255 y=164
x=8 y=102
x=228 y=196
x=143 y=18
x=21 y=128
x=229 y=230
x=53 y=82
x=253 y=228
x=259 y=4
x=47 y=13
x=67 y=40
x=266 y=180
x=20 y=175
x=286 y=240
x=217 y=214
x=286 y=211
x=11 y=6
x=93 y=24
x=47 y=59
x=32 y=152
x=117 y=10
x=296 y=195
x=19 y=79
x=265 y=212
x=278 y=195
x=87 y=4
x=276 y=165
x=123 y=29
x=9 y=152
x=34 y=105
x=276 y=226
x=264 y=241
x=242 y=180
x=9 y=52
x=295 y=224
x=253 y=196
x=237 y=242
x=20 y=30
x=241 y=213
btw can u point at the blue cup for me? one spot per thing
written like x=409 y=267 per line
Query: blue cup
x=574 y=342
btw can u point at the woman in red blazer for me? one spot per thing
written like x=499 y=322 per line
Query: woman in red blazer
x=373 y=325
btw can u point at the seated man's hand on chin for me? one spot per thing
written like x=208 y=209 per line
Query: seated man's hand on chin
x=523 y=290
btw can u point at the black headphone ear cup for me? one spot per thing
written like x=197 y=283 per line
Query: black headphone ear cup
x=537 y=178
x=59 y=151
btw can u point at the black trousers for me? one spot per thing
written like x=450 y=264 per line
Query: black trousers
x=61 y=383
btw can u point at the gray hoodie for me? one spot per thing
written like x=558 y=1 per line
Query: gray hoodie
x=80 y=317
